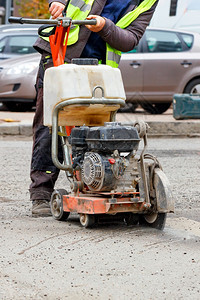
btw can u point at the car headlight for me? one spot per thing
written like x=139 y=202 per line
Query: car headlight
x=22 y=68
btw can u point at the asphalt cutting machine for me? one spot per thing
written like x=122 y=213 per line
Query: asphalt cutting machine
x=111 y=176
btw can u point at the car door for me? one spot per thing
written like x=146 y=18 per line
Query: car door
x=131 y=66
x=165 y=63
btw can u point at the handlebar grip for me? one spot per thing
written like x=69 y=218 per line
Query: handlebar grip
x=85 y=22
x=91 y=22
x=15 y=20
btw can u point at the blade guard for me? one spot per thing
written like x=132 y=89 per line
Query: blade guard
x=164 y=197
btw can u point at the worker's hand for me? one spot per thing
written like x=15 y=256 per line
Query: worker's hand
x=100 y=23
x=56 y=9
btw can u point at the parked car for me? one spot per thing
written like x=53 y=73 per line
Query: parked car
x=164 y=63
x=17 y=82
x=17 y=40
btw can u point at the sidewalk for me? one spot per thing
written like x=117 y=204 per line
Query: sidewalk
x=164 y=124
x=18 y=123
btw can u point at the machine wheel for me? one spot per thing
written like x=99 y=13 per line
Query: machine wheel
x=193 y=87
x=131 y=219
x=154 y=220
x=87 y=220
x=155 y=108
x=57 y=205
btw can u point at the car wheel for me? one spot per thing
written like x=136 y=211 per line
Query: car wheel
x=155 y=108
x=128 y=108
x=193 y=87
x=16 y=106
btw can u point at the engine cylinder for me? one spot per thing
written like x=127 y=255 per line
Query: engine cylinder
x=113 y=136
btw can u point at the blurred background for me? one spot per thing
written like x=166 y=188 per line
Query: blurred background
x=165 y=62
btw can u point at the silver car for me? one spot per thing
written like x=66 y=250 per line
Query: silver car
x=164 y=63
x=16 y=40
x=17 y=82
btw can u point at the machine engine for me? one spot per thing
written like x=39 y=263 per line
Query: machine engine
x=102 y=154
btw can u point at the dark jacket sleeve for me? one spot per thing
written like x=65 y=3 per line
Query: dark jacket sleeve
x=61 y=1
x=126 y=39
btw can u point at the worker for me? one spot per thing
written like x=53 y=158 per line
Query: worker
x=120 y=24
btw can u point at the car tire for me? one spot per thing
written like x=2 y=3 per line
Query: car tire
x=193 y=87
x=155 y=108
x=18 y=106
x=128 y=108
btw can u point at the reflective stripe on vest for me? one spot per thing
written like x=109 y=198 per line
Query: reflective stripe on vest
x=112 y=55
x=77 y=10
x=77 y=6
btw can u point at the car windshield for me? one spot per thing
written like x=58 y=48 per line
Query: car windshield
x=18 y=44
x=2 y=45
x=22 y=44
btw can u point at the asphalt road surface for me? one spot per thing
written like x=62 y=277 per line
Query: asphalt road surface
x=47 y=259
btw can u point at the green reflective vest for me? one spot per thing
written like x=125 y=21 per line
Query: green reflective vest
x=112 y=55
x=77 y=10
x=80 y=9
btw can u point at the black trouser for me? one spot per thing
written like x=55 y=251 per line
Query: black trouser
x=43 y=172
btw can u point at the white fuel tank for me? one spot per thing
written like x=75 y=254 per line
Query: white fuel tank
x=71 y=81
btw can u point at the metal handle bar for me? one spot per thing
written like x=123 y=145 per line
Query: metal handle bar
x=58 y=107
x=66 y=21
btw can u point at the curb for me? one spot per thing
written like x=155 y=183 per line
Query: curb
x=157 y=129
x=181 y=129
x=16 y=129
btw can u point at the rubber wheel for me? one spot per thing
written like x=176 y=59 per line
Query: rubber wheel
x=18 y=106
x=131 y=219
x=128 y=108
x=193 y=87
x=155 y=108
x=87 y=220
x=56 y=204
x=155 y=220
